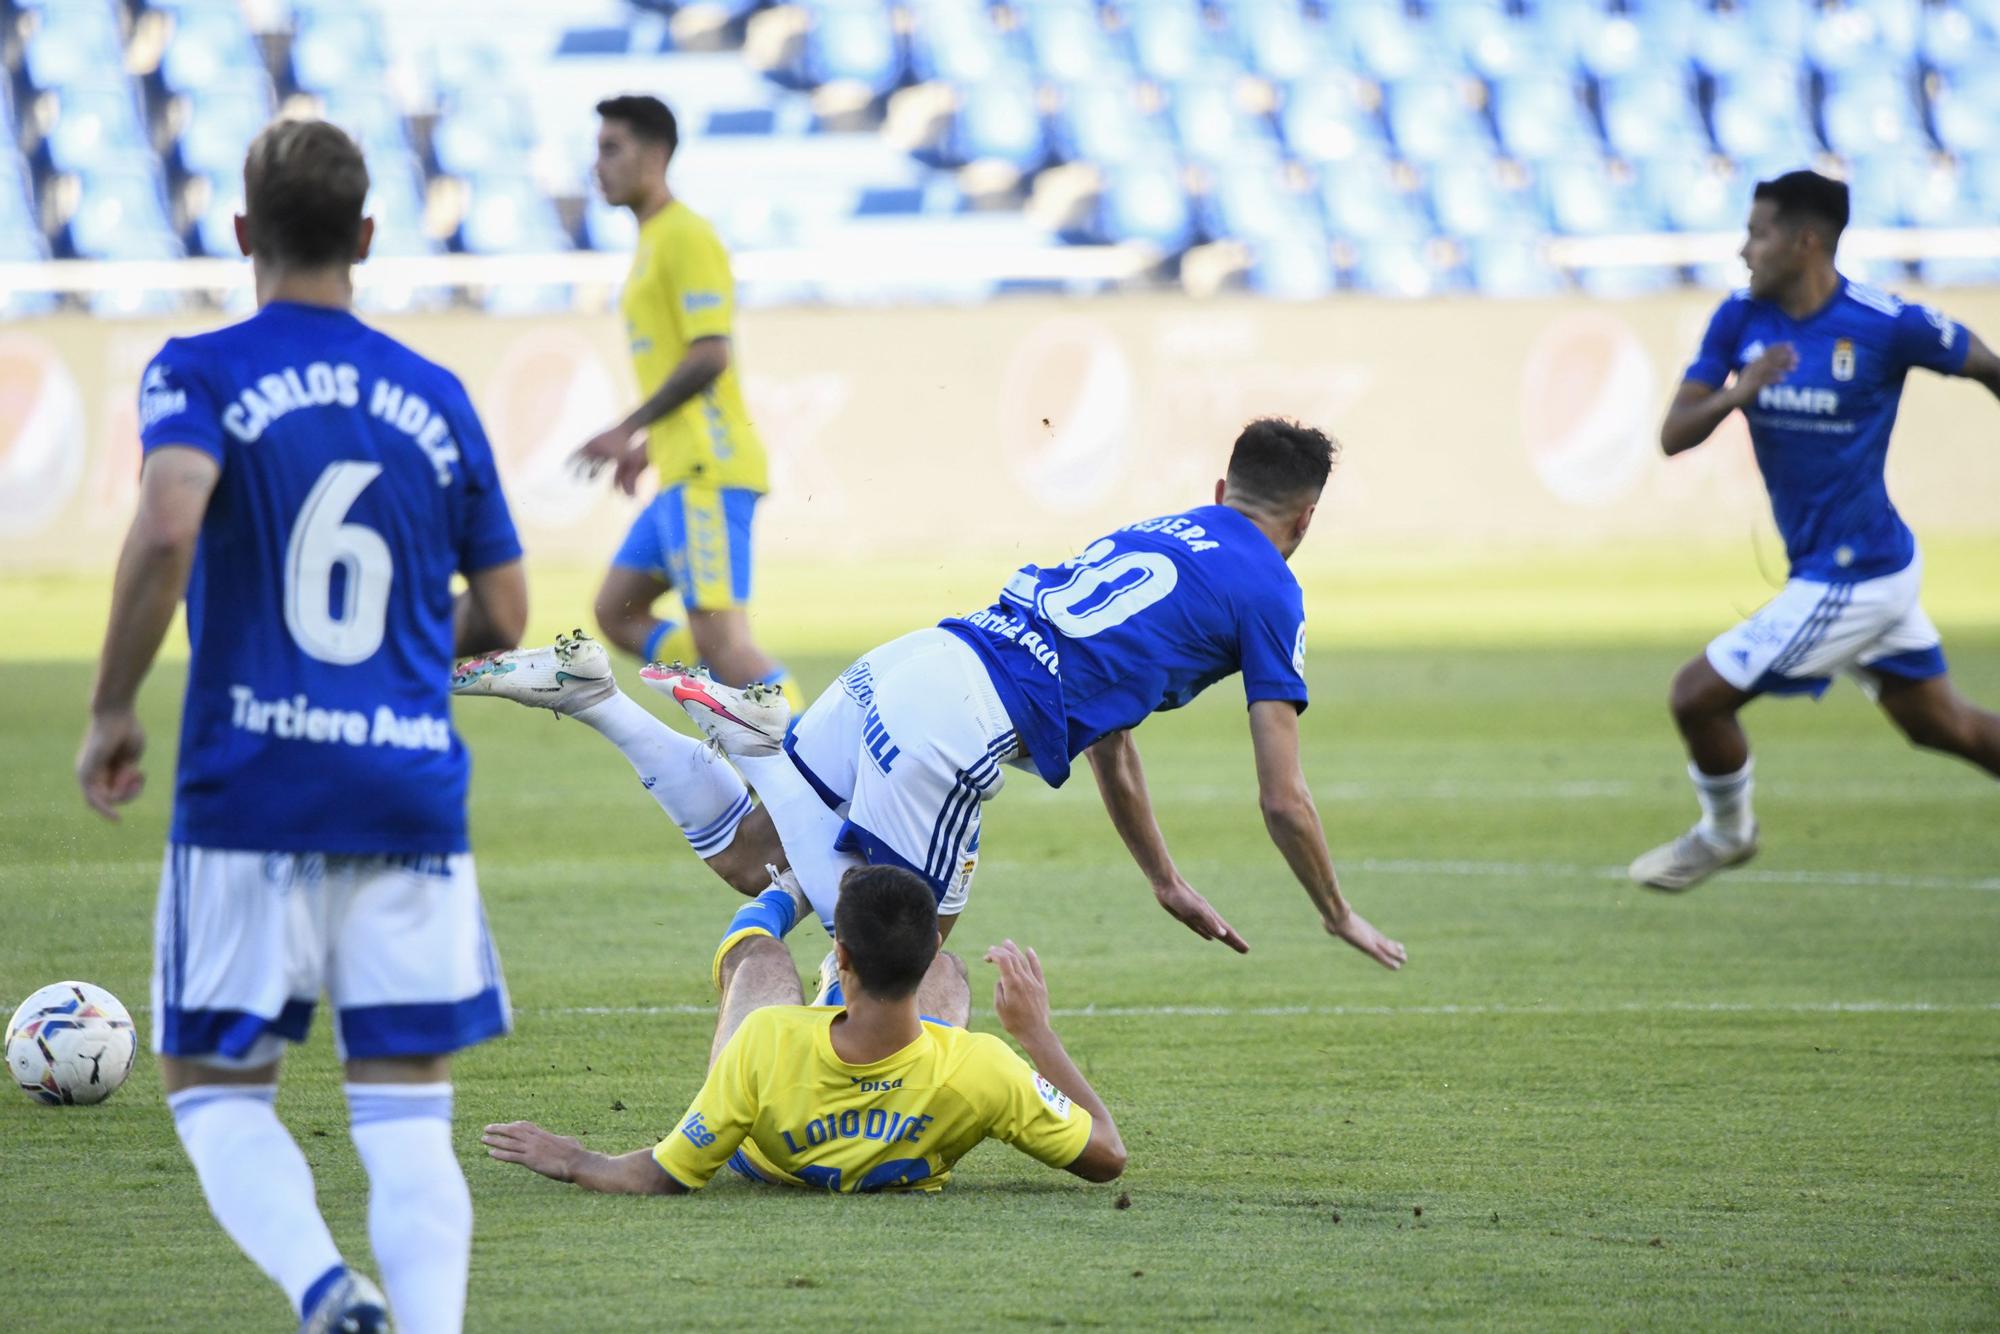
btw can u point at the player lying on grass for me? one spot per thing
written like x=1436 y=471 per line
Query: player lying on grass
x=1819 y=364
x=875 y=1094
x=892 y=764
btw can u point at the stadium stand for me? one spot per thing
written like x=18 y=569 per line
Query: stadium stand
x=1292 y=147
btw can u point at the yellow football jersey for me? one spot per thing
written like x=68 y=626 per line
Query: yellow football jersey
x=679 y=290
x=779 y=1096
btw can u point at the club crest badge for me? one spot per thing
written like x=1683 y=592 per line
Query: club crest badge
x=1843 y=359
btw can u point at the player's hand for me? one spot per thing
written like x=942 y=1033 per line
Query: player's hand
x=631 y=467
x=534 y=1148
x=107 y=766
x=1192 y=909
x=606 y=447
x=1778 y=361
x=1355 y=930
x=1020 y=997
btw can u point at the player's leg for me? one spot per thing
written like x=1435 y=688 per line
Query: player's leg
x=756 y=971
x=698 y=790
x=713 y=563
x=640 y=575
x=1705 y=709
x=946 y=991
x=413 y=978
x=1933 y=714
x=233 y=980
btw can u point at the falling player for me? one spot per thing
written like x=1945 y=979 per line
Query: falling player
x=884 y=1092
x=1819 y=364
x=313 y=486
x=679 y=303
x=892 y=764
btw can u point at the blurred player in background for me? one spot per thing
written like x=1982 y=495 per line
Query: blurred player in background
x=893 y=763
x=313 y=486
x=873 y=1095
x=679 y=304
x=1819 y=364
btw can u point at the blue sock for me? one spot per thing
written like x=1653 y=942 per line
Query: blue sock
x=661 y=629
x=774 y=910
x=320 y=1287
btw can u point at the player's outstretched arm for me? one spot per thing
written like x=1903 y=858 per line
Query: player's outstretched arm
x=175 y=484
x=1121 y=781
x=1021 y=1000
x=561 y=1158
x=1699 y=408
x=1292 y=820
x=492 y=613
x=1981 y=364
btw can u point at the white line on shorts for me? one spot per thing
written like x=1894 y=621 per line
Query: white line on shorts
x=1384 y=1011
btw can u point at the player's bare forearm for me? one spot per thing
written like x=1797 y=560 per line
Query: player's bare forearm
x=1292 y=821
x=152 y=571
x=705 y=360
x=1981 y=364
x=1121 y=782
x=561 y=1158
x=492 y=613
x=1695 y=413
x=1104 y=1157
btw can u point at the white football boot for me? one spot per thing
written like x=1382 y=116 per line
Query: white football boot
x=1689 y=860
x=829 y=992
x=571 y=674
x=741 y=720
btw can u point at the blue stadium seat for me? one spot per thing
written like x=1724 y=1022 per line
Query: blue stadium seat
x=1388 y=44
x=1539 y=117
x=1213 y=128
x=1292 y=266
x=1590 y=196
x=1398 y=266
x=1101 y=122
x=1168 y=39
x=209 y=43
x=97 y=117
x=121 y=214
x=606 y=227
x=1761 y=113
x=1848 y=36
x=1482 y=196
x=1874 y=191
x=371 y=116
x=1281 y=43
x=214 y=227
x=1965 y=108
x=1365 y=200
x=222 y=120
x=852 y=41
x=1871 y=110
x=1621 y=282
x=1251 y=202
x=1144 y=200
x=336 y=49
x=1322 y=122
x=507 y=214
x=1696 y=192
x=480 y=130
x=1951 y=39
x=1499 y=45
x=1609 y=45
x=955 y=42
x=1430 y=116
x=1729 y=42
x=73 y=41
x=1067 y=41
x=999 y=120
x=1650 y=112
x=1511 y=266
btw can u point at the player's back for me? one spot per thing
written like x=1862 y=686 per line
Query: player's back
x=355 y=481
x=1143 y=620
x=800 y=1115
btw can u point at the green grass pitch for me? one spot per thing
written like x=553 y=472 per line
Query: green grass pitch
x=1774 y=1102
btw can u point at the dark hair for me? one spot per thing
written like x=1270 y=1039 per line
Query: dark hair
x=1278 y=460
x=304 y=184
x=887 y=918
x=1808 y=197
x=648 y=116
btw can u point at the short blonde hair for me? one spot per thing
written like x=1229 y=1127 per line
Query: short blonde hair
x=304 y=184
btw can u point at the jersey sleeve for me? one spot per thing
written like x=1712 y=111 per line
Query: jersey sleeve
x=716 y=1122
x=1027 y=1111
x=700 y=288
x=1930 y=339
x=486 y=535
x=175 y=405
x=1272 y=640
x=1716 y=357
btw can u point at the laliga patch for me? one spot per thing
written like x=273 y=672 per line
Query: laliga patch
x=1057 y=1100
x=1843 y=359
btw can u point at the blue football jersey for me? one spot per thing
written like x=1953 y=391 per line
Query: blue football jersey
x=355 y=482
x=1822 y=434
x=1143 y=620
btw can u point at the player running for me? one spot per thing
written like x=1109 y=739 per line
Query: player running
x=892 y=764
x=873 y=1094
x=1819 y=364
x=313 y=486
x=679 y=303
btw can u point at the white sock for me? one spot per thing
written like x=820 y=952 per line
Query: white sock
x=806 y=828
x=1725 y=805
x=258 y=1184
x=419 y=1210
x=695 y=787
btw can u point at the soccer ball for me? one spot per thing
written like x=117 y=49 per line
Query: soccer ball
x=70 y=1042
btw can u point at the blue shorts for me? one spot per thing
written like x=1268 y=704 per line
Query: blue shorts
x=696 y=538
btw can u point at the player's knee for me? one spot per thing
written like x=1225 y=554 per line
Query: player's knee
x=1693 y=698
x=952 y=966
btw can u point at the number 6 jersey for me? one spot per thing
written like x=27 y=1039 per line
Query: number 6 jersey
x=1144 y=619
x=355 y=482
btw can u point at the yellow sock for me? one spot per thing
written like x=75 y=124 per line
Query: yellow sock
x=671 y=641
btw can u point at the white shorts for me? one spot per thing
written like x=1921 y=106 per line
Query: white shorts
x=244 y=943
x=905 y=747
x=1800 y=638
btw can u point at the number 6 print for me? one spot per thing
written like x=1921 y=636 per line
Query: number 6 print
x=321 y=540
